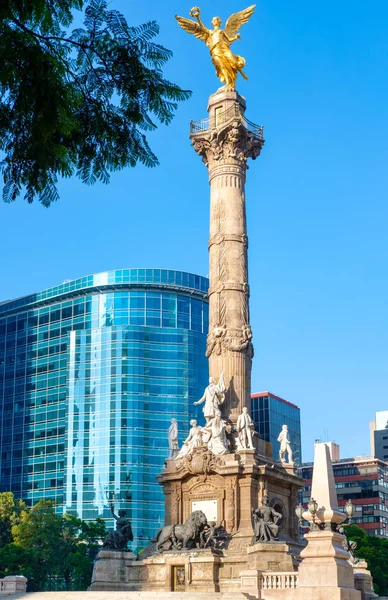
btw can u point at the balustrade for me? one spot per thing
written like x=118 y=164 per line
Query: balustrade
x=233 y=112
x=271 y=580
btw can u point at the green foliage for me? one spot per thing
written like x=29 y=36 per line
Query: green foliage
x=52 y=551
x=10 y=514
x=17 y=561
x=375 y=551
x=76 y=102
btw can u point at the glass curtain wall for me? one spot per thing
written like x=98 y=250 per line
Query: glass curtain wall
x=91 y=372
x=270 y=413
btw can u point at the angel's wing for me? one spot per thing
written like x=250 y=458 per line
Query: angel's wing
x=235 y=21
x=196 y=29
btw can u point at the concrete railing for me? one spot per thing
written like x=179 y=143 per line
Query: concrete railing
x=279 y=581
x=13 y=584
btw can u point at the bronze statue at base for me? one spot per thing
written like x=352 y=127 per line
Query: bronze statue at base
x=181 y=536
x=266 y=528
x=119 y=538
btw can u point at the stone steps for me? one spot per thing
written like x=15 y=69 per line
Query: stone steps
x=129 y=596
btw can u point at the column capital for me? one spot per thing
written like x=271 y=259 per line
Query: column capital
x=226 y=137
x=228 y=146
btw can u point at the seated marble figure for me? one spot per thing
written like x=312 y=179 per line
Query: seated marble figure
x=265 y=522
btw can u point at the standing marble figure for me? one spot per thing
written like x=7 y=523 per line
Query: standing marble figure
x=245 y=427
x=173 y=439
x=285 y=445
x=213 y=396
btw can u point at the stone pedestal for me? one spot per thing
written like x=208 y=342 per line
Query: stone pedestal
x=250 y=583
x=363 y=580
x=115 y=571
x=13 y=584
x=325 y=572
x=235 y=483
x=289 y=468
x=194 y=571
x=325 y=569
x=270 y=556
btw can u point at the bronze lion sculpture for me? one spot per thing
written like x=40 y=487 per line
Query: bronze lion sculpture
x=179 y=536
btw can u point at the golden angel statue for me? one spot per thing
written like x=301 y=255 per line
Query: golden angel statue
x=227 y=64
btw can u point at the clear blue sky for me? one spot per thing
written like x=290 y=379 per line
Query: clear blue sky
x=316 y=198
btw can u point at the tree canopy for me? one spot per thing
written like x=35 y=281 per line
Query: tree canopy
x=52 y=551
x=80 y=101
x=375 y=551
x=10 y=514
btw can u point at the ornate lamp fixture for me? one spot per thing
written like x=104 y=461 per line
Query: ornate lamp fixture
x=349 y=511
x=299 y=513
x=312 y=507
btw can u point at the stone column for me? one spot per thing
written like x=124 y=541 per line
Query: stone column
x=325 y=572
x=225 y=141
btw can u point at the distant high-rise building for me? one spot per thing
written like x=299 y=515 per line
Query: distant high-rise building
x=379 y=435
x=334 y=451
x=91 y=372
x=269 y=412
x=363 y=480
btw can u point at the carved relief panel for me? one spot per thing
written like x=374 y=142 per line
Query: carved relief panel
x=196 y=490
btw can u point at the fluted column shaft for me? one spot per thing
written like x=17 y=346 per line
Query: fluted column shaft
x=225 y=147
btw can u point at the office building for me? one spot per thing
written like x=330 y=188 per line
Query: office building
x=91 y=372
x=363 y=480
x=269 y=413
x=379 y=435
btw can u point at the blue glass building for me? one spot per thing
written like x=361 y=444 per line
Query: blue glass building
x=269 y=413
x=91 y=373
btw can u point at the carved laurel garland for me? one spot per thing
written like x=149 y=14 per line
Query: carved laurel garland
x=223 y=339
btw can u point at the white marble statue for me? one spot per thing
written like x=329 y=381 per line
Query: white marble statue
x=217 y=441
x=285 y=445
x=193 y=440
x=173 y=439
x=214 y=396
x=245 y=427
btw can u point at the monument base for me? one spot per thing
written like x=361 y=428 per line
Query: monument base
x=115 y=571
x=183 y=571
x=195 y=571
x=270 y=556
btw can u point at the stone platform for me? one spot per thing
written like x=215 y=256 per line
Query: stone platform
x=193 y=571
x=128 y=596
